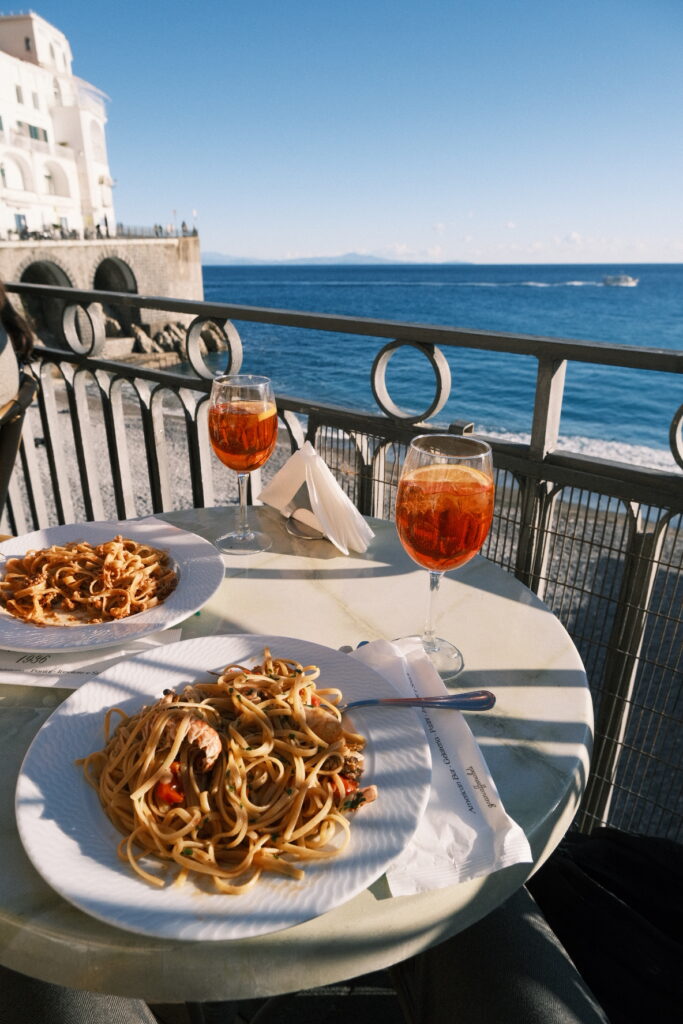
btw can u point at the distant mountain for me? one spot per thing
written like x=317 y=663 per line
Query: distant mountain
x=221 y=260
x=348 y=257
x=361 y=259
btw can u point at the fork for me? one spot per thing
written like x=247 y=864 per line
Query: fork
x=474 y=700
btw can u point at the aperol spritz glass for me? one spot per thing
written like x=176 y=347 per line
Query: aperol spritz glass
x=243 y=432
x=444 y=509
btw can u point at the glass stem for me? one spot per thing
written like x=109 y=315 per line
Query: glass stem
x=428 y=636
x=242 y=481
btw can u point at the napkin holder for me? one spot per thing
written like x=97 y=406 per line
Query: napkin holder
x=305 y=490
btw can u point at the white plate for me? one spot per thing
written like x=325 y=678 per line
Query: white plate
x=73 y=845
x=198 y=564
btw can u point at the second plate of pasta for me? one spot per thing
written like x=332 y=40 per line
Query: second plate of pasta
x=73 y=844
x=195 y=564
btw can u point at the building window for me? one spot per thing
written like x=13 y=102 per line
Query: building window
x=3 y=176
x=32 y=131
x=20 y=94
x=2 y=127
x=36 y=101
x=27 y=43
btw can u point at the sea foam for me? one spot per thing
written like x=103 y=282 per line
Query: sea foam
x=615 y=451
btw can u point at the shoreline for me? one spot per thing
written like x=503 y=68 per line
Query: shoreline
x=614 y=451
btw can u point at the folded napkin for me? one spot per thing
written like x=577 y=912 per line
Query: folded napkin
x=305 y=490
x=465 y=831
x=71 y=669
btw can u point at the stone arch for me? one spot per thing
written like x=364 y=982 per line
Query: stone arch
x=56 y=181
x=45 y=315
x=17 y=173
x=113 y=274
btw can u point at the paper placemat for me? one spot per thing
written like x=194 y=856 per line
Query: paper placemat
x=71 y=669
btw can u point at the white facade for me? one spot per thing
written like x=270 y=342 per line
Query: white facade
x=54 y=172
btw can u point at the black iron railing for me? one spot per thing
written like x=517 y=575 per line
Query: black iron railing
x=601 y=542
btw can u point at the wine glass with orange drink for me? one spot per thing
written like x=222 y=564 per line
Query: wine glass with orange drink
x=243 y=432
x=444 y=508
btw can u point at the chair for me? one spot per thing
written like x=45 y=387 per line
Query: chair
x=11 y=423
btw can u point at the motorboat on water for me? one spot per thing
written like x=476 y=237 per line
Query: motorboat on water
x=620 y=280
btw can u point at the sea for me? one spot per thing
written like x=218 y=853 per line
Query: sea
x=610 y=412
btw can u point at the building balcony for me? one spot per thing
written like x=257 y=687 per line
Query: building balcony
x=26 y=142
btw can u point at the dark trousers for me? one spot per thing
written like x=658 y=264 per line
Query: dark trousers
x=25 y=1000
x=508 y=968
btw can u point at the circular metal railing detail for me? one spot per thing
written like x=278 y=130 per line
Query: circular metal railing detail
x=442 y=376
x=83 y=320
x=676 y=436
x=196 y=346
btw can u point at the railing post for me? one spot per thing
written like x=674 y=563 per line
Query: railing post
x=35 y=495
x=545 y=427
x=199 y=450
x=85 y=454
x=621 y=668
x=151 y=414
x=117 y=443
x=54 y=448
x=538 y=497
x=536 y=506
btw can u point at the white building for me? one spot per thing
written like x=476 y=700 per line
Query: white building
x=54 y=173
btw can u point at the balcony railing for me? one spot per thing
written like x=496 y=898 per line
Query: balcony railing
x=600 y=542
x=155 y=231
x=27 y=142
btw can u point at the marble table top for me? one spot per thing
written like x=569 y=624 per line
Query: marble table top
x=536 y=741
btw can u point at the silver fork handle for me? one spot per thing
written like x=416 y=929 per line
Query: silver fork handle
x=474 y=700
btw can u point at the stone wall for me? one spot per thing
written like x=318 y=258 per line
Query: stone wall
x=167 y=267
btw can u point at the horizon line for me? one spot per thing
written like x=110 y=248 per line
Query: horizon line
x=373 y=262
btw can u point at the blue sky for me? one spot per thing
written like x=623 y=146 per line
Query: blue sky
x=493 y=131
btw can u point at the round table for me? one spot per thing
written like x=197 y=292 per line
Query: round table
x=536 y=741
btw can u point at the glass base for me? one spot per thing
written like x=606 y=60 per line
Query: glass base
x=240 y=538
x=302 y=531
x=249 y=543
x=444 y=656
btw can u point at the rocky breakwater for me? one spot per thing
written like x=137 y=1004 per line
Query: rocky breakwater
x=168 y=345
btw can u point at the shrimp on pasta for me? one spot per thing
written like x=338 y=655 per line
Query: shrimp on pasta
x=227 y=779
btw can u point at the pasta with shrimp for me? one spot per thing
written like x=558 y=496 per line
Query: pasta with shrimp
x=251 y=772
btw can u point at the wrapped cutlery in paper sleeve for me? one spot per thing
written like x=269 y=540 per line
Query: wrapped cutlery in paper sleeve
x=465 y=831
x=306 y=490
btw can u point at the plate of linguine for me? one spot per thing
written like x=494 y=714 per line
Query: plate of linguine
x=211 y=790
x=90 y=585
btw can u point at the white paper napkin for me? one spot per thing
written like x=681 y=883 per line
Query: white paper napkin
x=305 y=489
x=465 y=831
x=71 y=669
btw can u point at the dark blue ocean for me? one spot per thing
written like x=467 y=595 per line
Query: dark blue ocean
x=621 y=413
